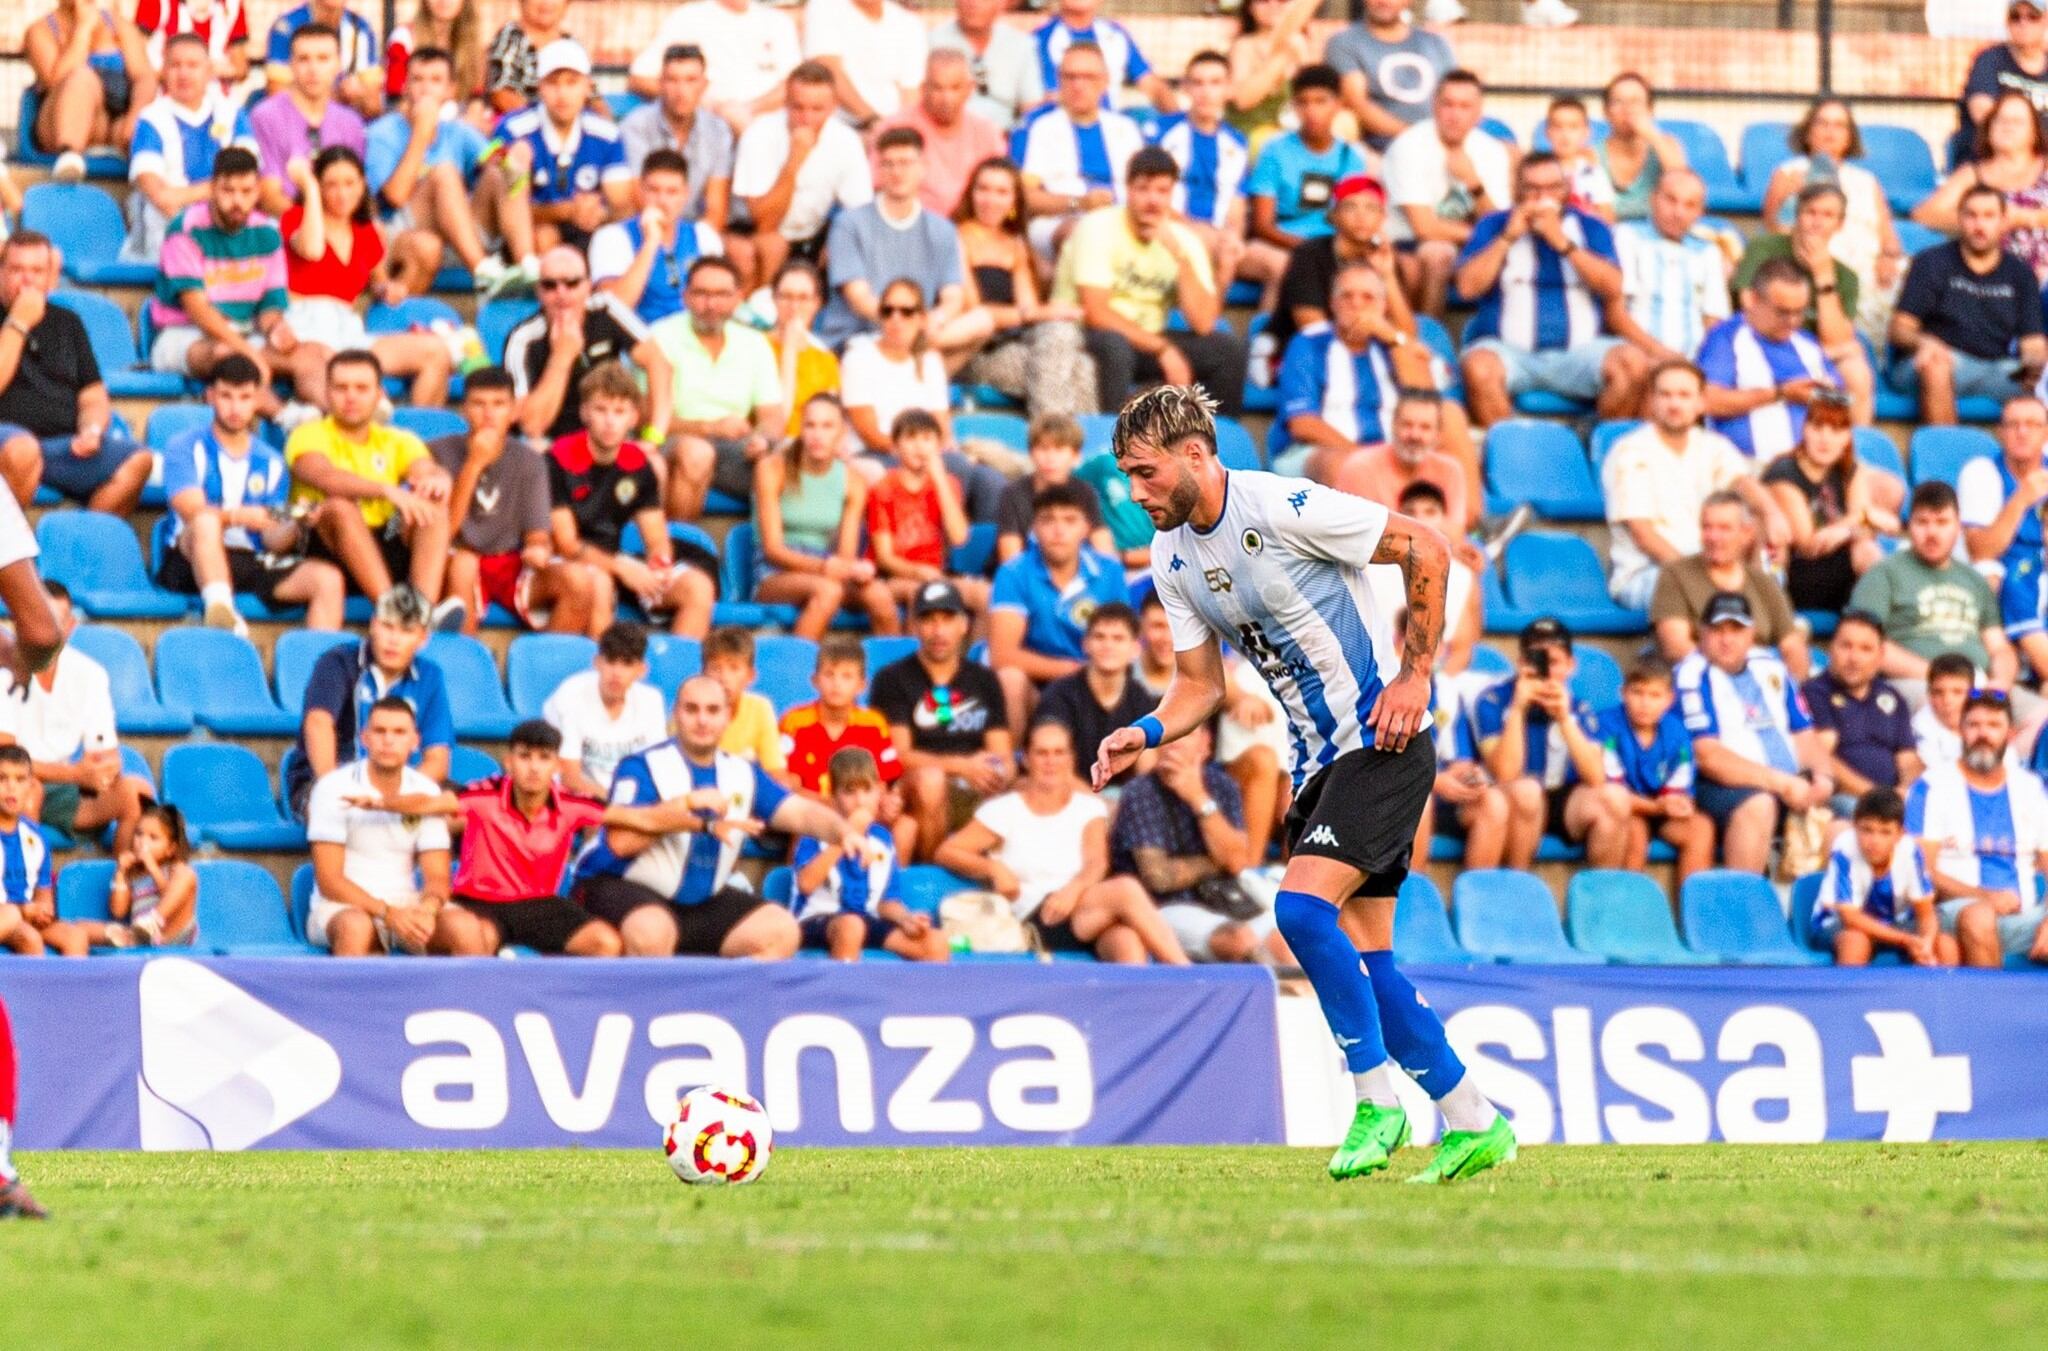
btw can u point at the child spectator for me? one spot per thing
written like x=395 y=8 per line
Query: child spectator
x=155 y=896
x=915 y=517
x=1055 y=443
x=27 y=905
x=1938 y=726
x=1571 y=139
x=814 y=734
x=607 y=713
x=600 y=479
x=1101 y=695
x=1648 y=754
x=1876 y=892
x=751 y=735
x=1039 y=606
x=847 y=901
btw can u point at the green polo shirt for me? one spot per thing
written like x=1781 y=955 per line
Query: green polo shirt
x=742 y=379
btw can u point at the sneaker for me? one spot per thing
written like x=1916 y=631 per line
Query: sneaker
x=449 y=616
x=1497 y=542
x=120 y=936
x=1549 y=14
x=1376 y=1132
x=1443 y=11
x=16 y=1203
x=70 y=167
x=1462 y=1154
x=220 y=614
x=495 y=278
x=294 y=415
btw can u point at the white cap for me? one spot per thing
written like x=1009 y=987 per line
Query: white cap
x=562 y=54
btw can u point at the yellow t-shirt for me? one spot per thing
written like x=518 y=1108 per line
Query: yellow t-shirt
x=817 y=372
x=1141 y=278
x=384 y=455
x=752 y=733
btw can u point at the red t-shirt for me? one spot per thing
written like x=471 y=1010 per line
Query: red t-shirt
x=910 y=518
x=329 y=275
x=809 y=748
x=506 y=857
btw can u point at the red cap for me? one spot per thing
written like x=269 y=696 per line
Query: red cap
x=1354 y=184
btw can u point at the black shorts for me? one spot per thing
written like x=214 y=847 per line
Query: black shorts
x=391 y=543
x=543 y=923
x=1363 y=810
x=250 y=573
x=1058 y=937
x=701 y=929
x=814 y=929
x=1554 y=800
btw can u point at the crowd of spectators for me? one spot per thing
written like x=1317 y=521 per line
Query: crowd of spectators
x=755 y=294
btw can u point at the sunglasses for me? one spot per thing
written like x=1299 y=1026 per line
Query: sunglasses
x=900 y=311
x=560 y=283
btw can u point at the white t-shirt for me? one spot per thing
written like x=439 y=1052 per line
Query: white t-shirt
x=867 y=378
x=1643 y=481
x=883 y=56
x=747 y=52
x=75 y=714
x=835 y=172
x=380 y=849
x=17 y=538
x=1415 y=176
x=592 y=736
x=1043 y=851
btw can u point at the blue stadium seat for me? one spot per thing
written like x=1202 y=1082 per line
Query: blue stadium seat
x=1509 y=916
x=1602 y=441
x=984 y=398
x=300 y=903
x=242 y=913
x=82 y=889
x=1005 y=429
x=86 y=223
x=292 y=662
x=1422 y=926
x=1499 y=130
x=1765 y=145
x=1542 y=403
x=1879 y=451
x=1902 y=161
x=495 y=320
x=428 y=423
x=113 y=347
x=1939 y=453
x=467 y=764
x=1096 y=432
x=1735 y=917
x=1709 y=159
x=736 y=577
x=218 y=677
x=169 y=421
x=412 y=312
x=97 y=557
x=1235 y=447
x=1915 y=237
x=782 y=669
x=924 y=885
x=1490 y=661
x=1543 y=464
x=227 y=798
x=1624 y=917
x=1805 y=891
x=671 y=660
x=1560 y=575
x=536 y=663
x=779 y=885
x=881 y=651
x=98 y=163
x=622 y=102
x=975 y=558
x=137 y=710
x=475 y=699
x=1598 y=678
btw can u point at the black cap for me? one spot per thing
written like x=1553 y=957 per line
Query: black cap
x=1549 y=631
x=1727 y=607
x=936 y=598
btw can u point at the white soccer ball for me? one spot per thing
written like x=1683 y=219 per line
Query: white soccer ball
x=719 y=1137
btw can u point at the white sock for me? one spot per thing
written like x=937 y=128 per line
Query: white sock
x=1376 y=1086
x=217 y=593
x=1465 y=1108
x=6 y=1163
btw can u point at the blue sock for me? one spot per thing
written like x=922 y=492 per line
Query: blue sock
x=1414 y=1034
x=1309 y=924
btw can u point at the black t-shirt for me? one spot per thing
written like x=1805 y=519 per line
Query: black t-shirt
x=610 y=333
x=955 y=720
x=1995 y=71
x=1013 y=508
x=56 y=364
x=1983 y=315
x=1069 y=702
x=602 y=497
x=1823 y=582
x=1311 y=271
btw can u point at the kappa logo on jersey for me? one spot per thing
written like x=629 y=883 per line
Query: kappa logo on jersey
x=1322 y=835
x=1176 y=565
x=1217 y=578
x=1298 y=500
x=1254 y=543
x=220 y=1068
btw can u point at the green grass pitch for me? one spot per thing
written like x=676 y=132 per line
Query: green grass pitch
x=1736 y=1246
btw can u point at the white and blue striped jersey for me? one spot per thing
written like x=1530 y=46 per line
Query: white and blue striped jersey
x=688 y=867
x=853 y=887
x=1735 y=356
x=1539 y=303
x=588 y=157
x=1850 y=883
x=1071 y=160
x=24 y=863
x=179 y=145
x=1281 y=577
x=1675 y=288
x=1212 y=168
x=1754 y=712
x=1982 y=839
x=1354 y=392
x=1127 y=65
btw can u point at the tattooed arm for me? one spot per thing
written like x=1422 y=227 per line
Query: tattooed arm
x=1424 y=559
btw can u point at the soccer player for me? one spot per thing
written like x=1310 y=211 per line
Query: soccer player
x=1277 y=566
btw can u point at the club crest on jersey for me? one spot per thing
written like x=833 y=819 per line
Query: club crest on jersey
x=625 y=491
x=1254 y=543
x=1217 y=578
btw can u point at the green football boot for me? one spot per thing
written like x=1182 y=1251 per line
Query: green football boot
x=1376 y=1132
x=1464 y=1153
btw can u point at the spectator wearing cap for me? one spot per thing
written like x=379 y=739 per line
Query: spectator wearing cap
x=948 y=718
x=1444 y=176
x=1042 y=600
x=1968 y=322
x=1537 y=740
x=563 y=172
x=347 y=680
x=677 y=118
x=304 y=115
x=1551 y=319
x=796 y=167
x=1726 y=561
x=1129 y=267
x=956 y=137
x=1357 y=234
x=1296 y=177
x=1657 y=478
x=1864 y=724
x=1999 y=498
x=1674 y=272
x=1763 y=368
x=1752 y=736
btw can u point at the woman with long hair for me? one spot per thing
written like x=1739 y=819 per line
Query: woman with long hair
x=808 y=511
x=1635 y=154
x=804 y=366
x=1823 y=142
x=90 y=66
x=1828 y=497
x=1272 y=43
x=1037 y=353
x=2011 y=155
x=332 y=256
x=456 y=27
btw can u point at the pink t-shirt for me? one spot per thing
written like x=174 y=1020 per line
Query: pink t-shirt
x=950 y=153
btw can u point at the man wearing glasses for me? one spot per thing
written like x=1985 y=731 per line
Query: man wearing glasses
x=727 y=392
x=1763 y=368
x=575 y=330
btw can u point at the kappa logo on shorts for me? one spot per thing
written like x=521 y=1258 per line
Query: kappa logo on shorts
x=1322 y=835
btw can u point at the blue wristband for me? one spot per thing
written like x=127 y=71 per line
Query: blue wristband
x=1154 y=730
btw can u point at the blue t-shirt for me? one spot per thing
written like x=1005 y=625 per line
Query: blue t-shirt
x=1302 y=182
x=1996 y=843
x=455 y=142
x=850 y=890
x=593 y=156
x=344 y=683
x=24 y=863
x=194 y=459
x=1056 y=618
x=1544 y=756
x=358 y=40
x=633 y=781
x=1663 y=766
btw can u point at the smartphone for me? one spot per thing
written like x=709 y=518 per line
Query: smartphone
x=1539 y=662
